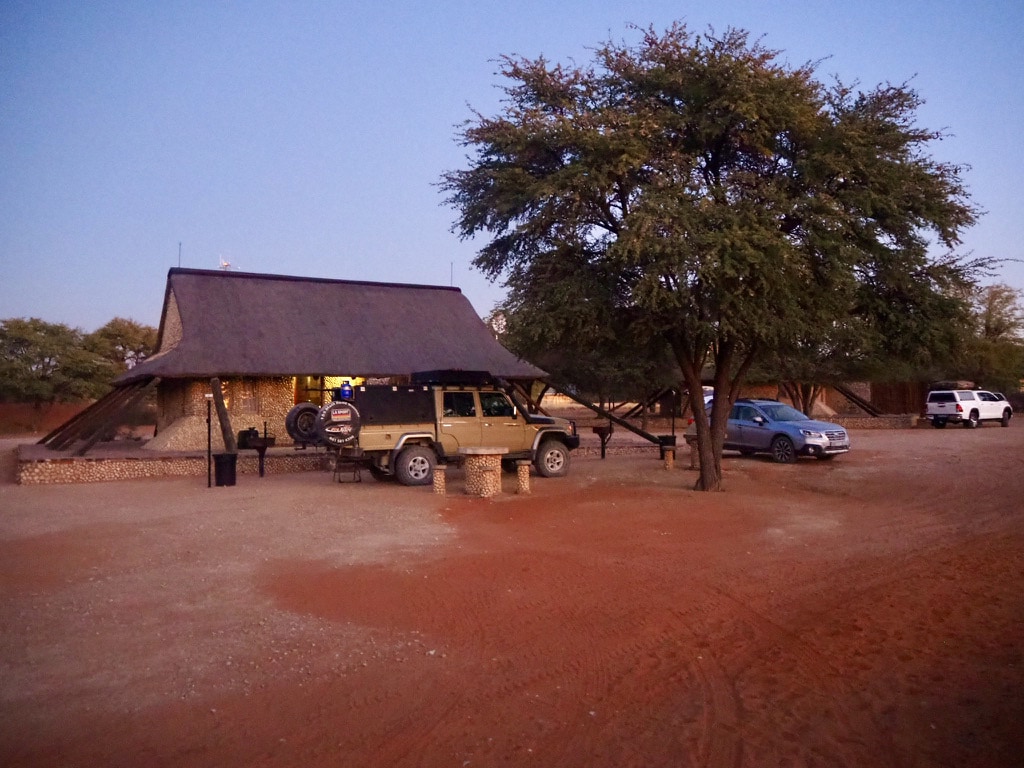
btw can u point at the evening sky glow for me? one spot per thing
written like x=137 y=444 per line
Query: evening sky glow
x=308 y=138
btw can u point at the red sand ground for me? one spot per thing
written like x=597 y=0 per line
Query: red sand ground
x=863 y=612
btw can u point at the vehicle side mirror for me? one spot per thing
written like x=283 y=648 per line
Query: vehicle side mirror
x=759 y=419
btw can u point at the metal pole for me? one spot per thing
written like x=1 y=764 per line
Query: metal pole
x=209 y=443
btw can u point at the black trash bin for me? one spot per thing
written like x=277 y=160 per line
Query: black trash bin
x=224 y=468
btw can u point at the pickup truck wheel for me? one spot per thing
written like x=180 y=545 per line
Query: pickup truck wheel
x=783 y=451
x=1005 y=421
x=378 y=474
x=938 y=423
x=552 y=459
x=415 y=465
x=971 y=421
x=300 y=423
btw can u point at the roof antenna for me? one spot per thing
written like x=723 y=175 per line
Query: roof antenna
x=179 y=254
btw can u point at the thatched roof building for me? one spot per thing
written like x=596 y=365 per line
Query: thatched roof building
x=228 y=324
x=275 y=340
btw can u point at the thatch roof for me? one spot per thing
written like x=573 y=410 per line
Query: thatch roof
x=217 y=323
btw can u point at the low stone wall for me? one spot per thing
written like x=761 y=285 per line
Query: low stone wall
x=892 y=421
x=103 y=469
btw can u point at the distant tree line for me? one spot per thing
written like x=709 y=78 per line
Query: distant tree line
x=43 y=363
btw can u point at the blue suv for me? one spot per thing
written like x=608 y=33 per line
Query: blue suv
x=768 y=426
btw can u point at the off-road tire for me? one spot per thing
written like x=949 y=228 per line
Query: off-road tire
x=1005 y=421
x=939 y=423
x=415 y=465
x=552 y=459
x=300 y=423
x=783 y=451
x=972 y=420
x=379 y=474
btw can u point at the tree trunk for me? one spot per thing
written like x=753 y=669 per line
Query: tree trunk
x=230 y=443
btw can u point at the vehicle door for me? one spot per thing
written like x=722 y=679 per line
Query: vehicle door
x=501 y=426
x=749 y=428
x=460 y=420
x=989 y=406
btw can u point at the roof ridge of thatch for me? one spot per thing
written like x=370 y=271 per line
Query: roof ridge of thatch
x=227 y=273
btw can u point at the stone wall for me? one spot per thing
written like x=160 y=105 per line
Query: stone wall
x=896 y=421
x=181 y=411
x=97 y=470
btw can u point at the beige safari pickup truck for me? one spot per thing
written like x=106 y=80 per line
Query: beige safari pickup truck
x=403 y=432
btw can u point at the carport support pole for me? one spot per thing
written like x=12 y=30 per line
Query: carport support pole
x=209 y=441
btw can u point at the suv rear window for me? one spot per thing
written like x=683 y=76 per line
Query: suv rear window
x=941 y=397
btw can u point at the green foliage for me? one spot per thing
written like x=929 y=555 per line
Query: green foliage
x=693 y=193
x=123 y=343
x=43 y=362
x=992 y=356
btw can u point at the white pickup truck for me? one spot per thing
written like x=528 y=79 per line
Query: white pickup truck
x=969 y=407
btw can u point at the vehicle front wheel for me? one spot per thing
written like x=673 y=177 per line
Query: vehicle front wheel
x=552 y=459
x=971 y=421
x=1005 y=421
x=415 y=465
x=783 y=451
x=939 y=423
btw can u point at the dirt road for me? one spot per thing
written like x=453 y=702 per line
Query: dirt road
x=863 y=612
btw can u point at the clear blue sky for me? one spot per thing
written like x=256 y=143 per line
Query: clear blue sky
x=307 y=138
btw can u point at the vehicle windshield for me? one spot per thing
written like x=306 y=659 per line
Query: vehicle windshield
x=782 y=412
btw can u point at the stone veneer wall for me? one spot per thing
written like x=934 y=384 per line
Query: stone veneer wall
x=181 y=411
x=97 y=470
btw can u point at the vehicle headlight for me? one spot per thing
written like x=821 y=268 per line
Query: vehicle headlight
x=811 y=433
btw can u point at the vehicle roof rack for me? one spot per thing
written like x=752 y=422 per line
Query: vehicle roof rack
x=455 y=377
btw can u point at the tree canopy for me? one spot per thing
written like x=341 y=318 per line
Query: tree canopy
x=43 y=362
x=697 y=192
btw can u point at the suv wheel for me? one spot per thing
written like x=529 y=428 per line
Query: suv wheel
x=415 y=465
x=552 y=459
x=938 y=423
x=783 y=451
x=971 y=421
x=1005 y=421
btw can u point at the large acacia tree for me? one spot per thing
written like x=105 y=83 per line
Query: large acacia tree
x=705 y=194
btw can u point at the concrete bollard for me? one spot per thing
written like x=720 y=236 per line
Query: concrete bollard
x=439 y=480
x=694 y=457
x=670 y=458
x=523 y=476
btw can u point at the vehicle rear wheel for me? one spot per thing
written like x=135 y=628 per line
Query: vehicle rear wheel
x=783 y=451
x=971 y=421
x=938 y=423
x=378 y=473
x=1007 y=415
x=415 y=465
x=552 y=459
